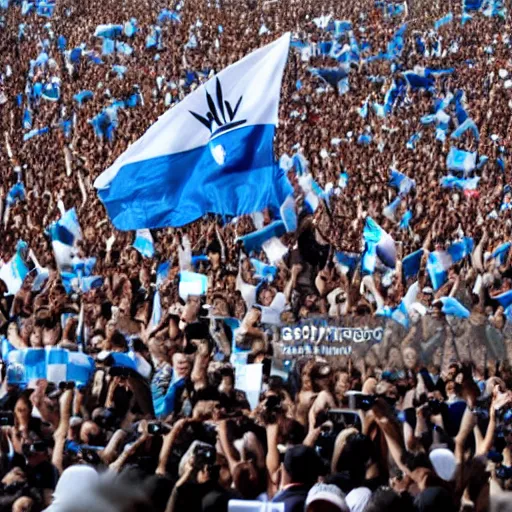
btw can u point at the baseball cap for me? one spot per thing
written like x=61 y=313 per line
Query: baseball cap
x=329 y=493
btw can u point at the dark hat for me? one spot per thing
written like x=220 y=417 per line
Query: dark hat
x=302 y=464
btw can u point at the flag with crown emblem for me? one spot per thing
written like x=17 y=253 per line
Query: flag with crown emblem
x=210 y=153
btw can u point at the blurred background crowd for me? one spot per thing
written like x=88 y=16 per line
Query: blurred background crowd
x=127 y=386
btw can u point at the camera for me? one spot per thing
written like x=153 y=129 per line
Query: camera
x=158 y=429
x=360 y=401
x=6 y=419
x=504 y=415
x=32 y=448
x=433 y=408
x=204 y=456
x=504 y=472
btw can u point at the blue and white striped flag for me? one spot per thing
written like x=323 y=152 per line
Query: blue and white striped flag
x=462 y=183
x=144 y=243
x=468 y=124
x=378 y=244
x=14 y=272
x=111 y=31
x=64 y=234
x=399 y=314
x=263 y=271
x=211 y=153
x=443 y=21
x=439 y=262
x=254 y=241
x=52 y=363
x=459 y=160
x=192 y=283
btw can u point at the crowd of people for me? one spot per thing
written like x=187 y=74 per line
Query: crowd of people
x=420 y=420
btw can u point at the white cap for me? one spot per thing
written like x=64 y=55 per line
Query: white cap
x=444 y=463
x=327 y=492
x=357 y=499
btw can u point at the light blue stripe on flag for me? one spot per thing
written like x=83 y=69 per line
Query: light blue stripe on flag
x=438 y=263
x=443 y=21
x=254 y=241
x=453 y=307
x=462 y=183
x=501 y=253
x=144 y=243
x=459 y=160
x=192 y=283
x=505 y=299
x=263 y=271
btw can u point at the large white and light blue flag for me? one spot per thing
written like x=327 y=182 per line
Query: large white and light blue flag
x=211 y=153
x=14 y=271
x=52 y=363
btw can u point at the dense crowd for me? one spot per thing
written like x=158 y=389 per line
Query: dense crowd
x=420 y=421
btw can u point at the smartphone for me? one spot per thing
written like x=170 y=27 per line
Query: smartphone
x=359 y=401
x=343 y=418
x=6 y=419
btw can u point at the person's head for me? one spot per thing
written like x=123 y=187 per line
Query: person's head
x=22 y=410
x=12 y=330
x=266 y=296
x=246 y=480
x=90 y=433
x=385 y=499
x=191 y=310
x=326 y=498
x=213 y=251
x=410 y=357
x=301 y=465
x=355 y=457
x=220 y=306
x=118 y=342
x=321 y=376
x=342 y=383
x=36 y=337
x=181 y=364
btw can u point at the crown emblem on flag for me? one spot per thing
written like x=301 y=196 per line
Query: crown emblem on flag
x=221 y=113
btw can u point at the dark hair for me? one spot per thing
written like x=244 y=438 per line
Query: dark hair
x=384 y=499
x=357 y=452
x=118 y=340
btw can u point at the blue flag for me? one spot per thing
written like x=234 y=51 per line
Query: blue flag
x=109 y=31
x=254 y=241
x=211 y=153
x=501 y=253
x=462 y=183
x=443 y=21
x=411 y=263
x=459 y=160
x=453 y=307
x=144 y=243
x=468 y=124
